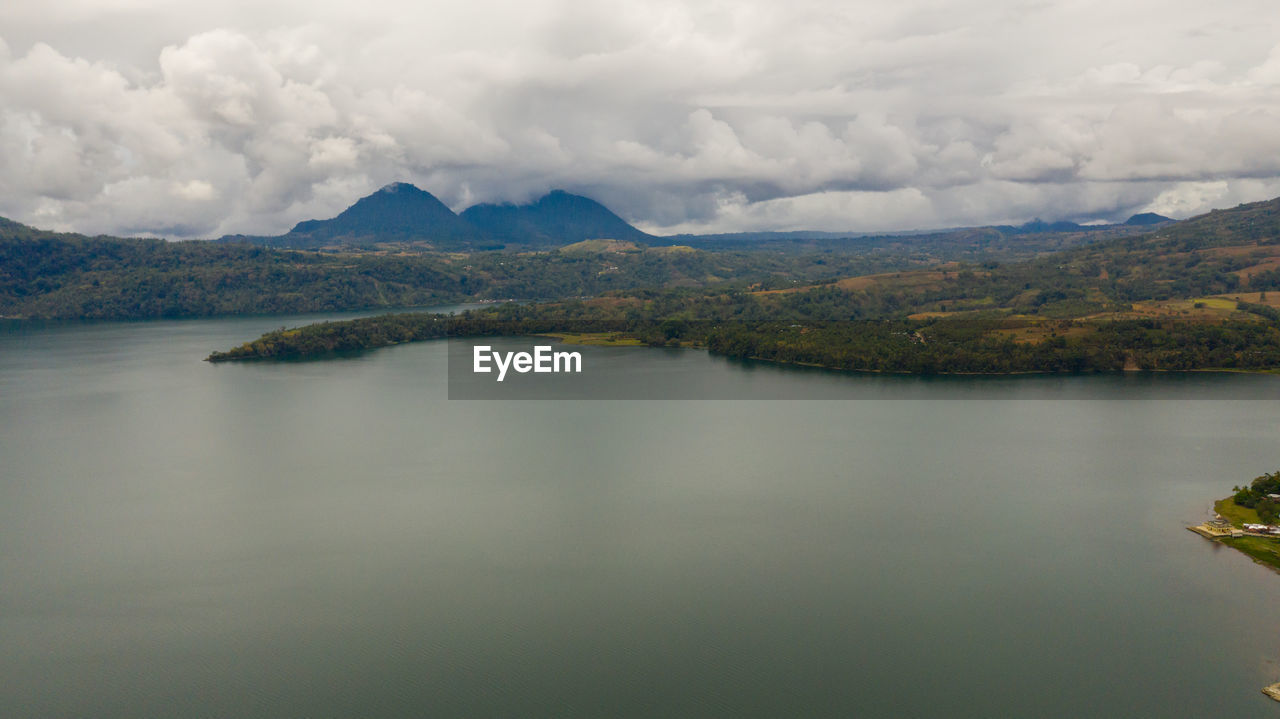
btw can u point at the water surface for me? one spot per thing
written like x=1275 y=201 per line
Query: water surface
x=339 y=539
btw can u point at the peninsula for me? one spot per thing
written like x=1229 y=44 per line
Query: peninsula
x=1247 y=520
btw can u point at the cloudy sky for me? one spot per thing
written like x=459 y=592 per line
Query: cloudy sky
x=200 y=119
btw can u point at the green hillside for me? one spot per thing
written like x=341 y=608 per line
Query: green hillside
x=1163 y=300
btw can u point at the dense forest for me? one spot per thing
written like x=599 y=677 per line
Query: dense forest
x=51 y=275
x=1260 y=496
x=1159 y=301
x=1192 y=295
x=66 y=276
x=929 y=346
x=324 y=338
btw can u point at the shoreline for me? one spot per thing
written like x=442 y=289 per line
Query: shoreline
x=1263 y=549
x=1229 y=531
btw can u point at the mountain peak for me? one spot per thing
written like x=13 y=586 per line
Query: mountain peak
x=558 y=217
x=402 y=212
x=397 y=212
x=396 y=187
x=1147 y=218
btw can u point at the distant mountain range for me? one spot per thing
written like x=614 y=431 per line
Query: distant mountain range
x=401 y=212
x=1039 y=225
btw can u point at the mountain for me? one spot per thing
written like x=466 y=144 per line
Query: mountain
x=401 y=212
x=559 y=218
x=1147 y=218
x=398 y=212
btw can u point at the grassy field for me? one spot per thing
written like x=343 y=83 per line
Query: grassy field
x=600 y=339
x=600 y=246
x=1234 y=513
x=1271 y=299
x=1264 y=550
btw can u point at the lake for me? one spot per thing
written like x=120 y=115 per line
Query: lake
x=338 y=538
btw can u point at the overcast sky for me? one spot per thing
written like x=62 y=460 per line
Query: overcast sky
x=200 y=119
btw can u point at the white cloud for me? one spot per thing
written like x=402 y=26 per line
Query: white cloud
x=136 y=116
x=831 y=211
x=1193 y=198
x=197 y=190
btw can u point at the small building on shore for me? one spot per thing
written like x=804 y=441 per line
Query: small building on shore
x=1270 y=529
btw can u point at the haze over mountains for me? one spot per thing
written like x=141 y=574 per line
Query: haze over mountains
x=403 y=213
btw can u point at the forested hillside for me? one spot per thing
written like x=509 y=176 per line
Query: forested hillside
x=1164 y=300
x=53 y=275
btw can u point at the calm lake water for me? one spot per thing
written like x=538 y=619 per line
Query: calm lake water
x=338 y=539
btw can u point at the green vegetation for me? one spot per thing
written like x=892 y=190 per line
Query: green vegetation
x=1188 y=296
x=1264 y=550
x=1234 y=513
x=43 y=275
x=984 y=347
x=599 y=339
x=1258 y=496
x=49 y=275
x=329 y=338
x=732 y=326
x=1151 y=302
